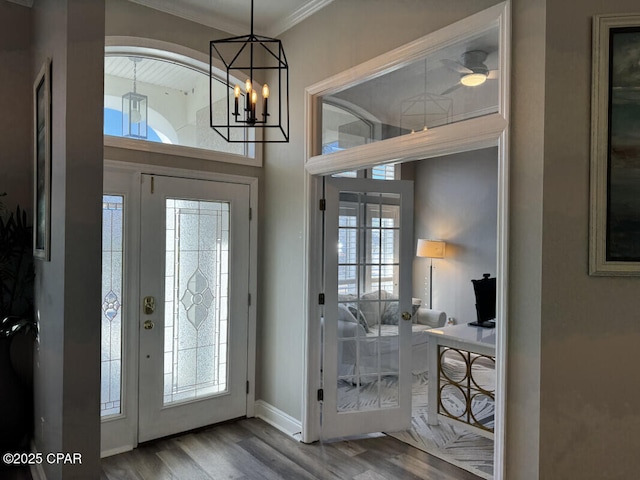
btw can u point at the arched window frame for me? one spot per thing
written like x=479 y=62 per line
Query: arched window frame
x=187 y=57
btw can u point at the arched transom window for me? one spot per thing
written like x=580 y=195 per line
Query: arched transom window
x=171 y=101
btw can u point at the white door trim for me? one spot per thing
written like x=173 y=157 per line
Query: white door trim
x=456 y=139
x=136 y=170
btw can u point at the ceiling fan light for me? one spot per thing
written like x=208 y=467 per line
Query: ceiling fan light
x=473 y=79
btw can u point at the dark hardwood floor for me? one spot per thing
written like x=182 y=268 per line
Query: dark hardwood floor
x=15 y=473
x=251 y=449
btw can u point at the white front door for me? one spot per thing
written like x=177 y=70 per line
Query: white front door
x=194 y=288
x=367 y=315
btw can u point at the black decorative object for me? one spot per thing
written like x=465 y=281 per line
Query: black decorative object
x=485 y=291
x=267 y=111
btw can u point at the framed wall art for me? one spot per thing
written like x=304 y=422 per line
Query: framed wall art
x=42 y=163
x=615 y=146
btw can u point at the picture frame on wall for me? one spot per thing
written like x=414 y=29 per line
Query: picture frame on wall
x=42 y=163
x=615 y=146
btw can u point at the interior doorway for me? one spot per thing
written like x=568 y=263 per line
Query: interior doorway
x=454 y=199
x=472 y=130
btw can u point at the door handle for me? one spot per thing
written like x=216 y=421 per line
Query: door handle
x=149 y=305
x=148 y=325
x=406 y=316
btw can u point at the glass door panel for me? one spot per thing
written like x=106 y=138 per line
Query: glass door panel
x=196 y=299
x=367 y=280
x=112 y=304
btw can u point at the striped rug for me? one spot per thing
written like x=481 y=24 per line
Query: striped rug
x=453 y=444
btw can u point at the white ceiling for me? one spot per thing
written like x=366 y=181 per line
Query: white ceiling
x=271 y=17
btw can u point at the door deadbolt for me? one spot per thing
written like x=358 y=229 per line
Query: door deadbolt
x=148 y=324
x=149 y=305
x=406 y=316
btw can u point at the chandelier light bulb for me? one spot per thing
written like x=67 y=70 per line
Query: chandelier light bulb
x=135 y=115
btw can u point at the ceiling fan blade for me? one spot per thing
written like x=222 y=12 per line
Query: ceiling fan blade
x=493 y=74
x=455 y=66
x=451 y=89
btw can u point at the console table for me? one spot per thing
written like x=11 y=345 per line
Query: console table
x=472 y=346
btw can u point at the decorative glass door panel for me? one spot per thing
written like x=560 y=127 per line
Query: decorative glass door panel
x=196 y=299
x=112 y=304
x=194 y=308
x=368 y=238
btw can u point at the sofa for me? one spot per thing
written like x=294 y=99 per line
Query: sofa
x=368 y=335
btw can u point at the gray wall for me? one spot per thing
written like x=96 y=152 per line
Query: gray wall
x=456 y=200
x=570 y=335
x=15 y=99
x=67 y=373
x=590 y=330
x=525 y=238
x=130 y=19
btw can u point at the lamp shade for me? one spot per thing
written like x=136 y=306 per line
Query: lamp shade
x=430 y=248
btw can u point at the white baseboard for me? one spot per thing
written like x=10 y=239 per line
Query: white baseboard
x=278 y=419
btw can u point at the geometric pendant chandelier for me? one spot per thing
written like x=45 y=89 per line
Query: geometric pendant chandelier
x=134 y=109
x=255 y=105
x=424 y=110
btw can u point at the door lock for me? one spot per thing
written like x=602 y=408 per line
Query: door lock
x=148 y=324
x=406 y=316
x=149 y=305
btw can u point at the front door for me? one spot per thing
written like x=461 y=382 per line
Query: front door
x=367 y=315
x=194 y=288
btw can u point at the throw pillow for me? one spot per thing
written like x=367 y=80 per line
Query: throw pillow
x=360 y=317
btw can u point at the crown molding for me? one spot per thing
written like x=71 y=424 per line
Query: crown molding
x=296 y=17
x=24 y=3
x=209 y=19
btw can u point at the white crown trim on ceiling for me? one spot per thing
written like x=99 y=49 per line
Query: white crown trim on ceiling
x=208 y=18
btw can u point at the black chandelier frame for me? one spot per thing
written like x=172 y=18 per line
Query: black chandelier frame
x=245 y=114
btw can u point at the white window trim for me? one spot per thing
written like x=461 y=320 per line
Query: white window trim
x=126 y=46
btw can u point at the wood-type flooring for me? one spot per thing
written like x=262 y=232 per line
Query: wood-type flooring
x=251 y=449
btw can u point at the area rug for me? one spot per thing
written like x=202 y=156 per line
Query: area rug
x=453 y=444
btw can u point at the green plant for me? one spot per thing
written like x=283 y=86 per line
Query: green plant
x=16 y=273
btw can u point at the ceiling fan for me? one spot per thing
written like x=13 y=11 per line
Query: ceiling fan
x=472 y=70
